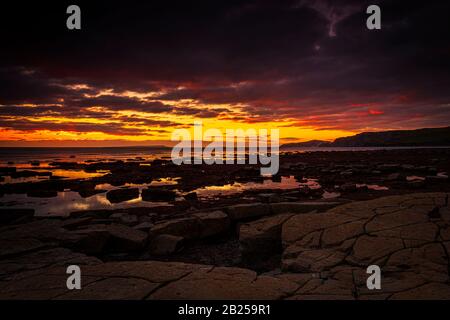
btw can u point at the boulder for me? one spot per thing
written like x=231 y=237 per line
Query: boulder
x=188 y=228
x=165 y=244
x=198 y=226
x=261 y=238
x=125 y=218
x=89 y=241
x=248 y=211
x=312 y=260
x=144 y=226
x=192 y=196
x=158 y=194
x=301 y=207
x=212 y=223
x=120 y=238
x=15 y=215
x=120 y=195
x=42 y=193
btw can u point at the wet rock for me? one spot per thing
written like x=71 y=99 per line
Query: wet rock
x=165 y=244
x=271 y=197
x=120 y=238
x=48 y=230
x=430 y=291
x=43 y=258
x=192 y=196
x=198 y=226
x=144 y=226
x=15 y=215
x=369 y=249
x=30 y=173
x=42 y=193
x=261 y=238
x=73 y=223
x=338 y=234
x=416 y=184
x=188 y=228
x=301 y=207
x=248 y=211
x=395 y=177
x=348 y=187
x=315 y=260
x=125 y=218
x=89 y=240
x=388 y=167
x=86 y=193
x=212 y=223
x=436 y=179
x=120 y=195
x=225 y=283
x=12 y=247
x=100 y=214
x=158 y=194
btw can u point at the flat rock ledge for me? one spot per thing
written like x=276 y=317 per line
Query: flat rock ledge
x=324 y=256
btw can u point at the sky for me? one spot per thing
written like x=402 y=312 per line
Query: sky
x=138 y=70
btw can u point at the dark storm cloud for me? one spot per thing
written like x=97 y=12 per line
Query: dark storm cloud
x=311 y=60
x=80 y=127
x=120 y=103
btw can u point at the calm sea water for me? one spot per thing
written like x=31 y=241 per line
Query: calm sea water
x=68 y=201
x=21 y=156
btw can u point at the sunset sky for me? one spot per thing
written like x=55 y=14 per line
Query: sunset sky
x=135 y=72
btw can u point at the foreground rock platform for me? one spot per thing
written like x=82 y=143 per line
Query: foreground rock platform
x=324 y=256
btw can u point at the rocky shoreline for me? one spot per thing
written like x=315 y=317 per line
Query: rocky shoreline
x=259 y=244
x=323 y=255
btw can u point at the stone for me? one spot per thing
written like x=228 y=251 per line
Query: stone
x=301 y=207
x=158 y=194
x=89 y=241
x=315 y=260
x=337 y=234
x=248 y=211
x=261 y=238
x=300 y=225
x=41 y=193
x=430 y=291
x=10 y=247
x=395 y=177
x=121 y=238
x=225 y=283
x=348 y=187
x=369 y=249
x=120 y=195
x=15 y=215
x=165 y=244
x=188 y=228
x=191 y=196
x=125 y=218
x=73 y=223
x=112 y=289
x=212 y=223
x=144 y=226
x=198 y=226
x=42 y=258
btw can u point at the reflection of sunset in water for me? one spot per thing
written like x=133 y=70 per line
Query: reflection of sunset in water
x=286 y=183
x=69 y=201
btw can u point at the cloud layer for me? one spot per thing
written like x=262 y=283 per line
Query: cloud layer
x=146 y=68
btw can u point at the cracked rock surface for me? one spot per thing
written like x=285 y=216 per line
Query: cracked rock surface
x=324 y=256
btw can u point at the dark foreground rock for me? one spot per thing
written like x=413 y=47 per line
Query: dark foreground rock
x=120 y=195
x=158 y=194
x=15 y=215
x=324 y=256
x=198 y=226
